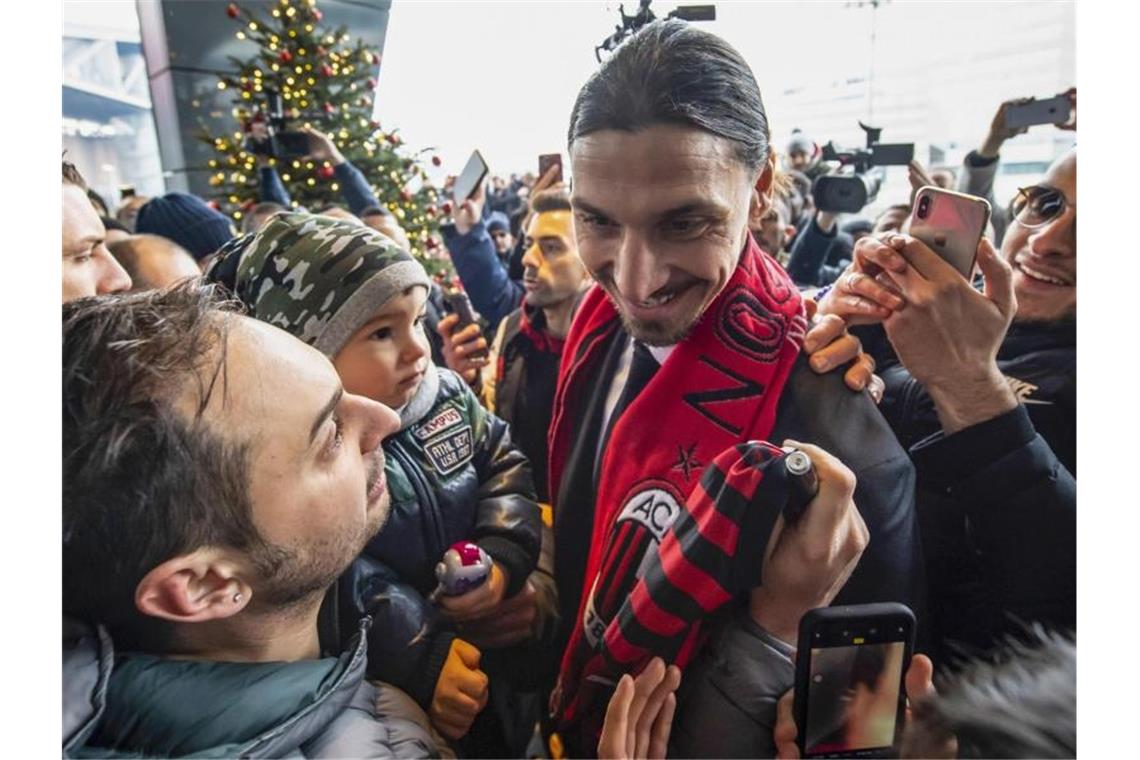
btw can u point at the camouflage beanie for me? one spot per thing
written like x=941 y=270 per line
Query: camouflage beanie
x=318 y=278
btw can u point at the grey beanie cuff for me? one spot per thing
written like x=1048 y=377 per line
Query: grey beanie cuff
x=362 y=305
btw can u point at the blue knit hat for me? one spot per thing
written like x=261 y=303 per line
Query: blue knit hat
x=187 y=220
x=498 y=221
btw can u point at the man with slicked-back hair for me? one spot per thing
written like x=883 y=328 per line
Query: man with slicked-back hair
x=691 y=345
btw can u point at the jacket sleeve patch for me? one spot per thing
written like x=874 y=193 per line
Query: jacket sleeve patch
x=448 y=452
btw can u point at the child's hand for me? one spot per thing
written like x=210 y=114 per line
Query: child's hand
x=478 y=601
x=460 y=693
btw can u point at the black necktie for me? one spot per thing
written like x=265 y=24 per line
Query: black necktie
x=642 y=367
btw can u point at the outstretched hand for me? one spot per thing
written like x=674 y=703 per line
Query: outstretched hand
x=639 y=717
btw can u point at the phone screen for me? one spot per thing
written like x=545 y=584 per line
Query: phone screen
x=470 y=178
x=853 y=697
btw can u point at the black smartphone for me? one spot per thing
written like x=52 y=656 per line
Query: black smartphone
x=470 y=178
x=850 y=700
x=459 y=304
x=547 y=160
x=292 y=144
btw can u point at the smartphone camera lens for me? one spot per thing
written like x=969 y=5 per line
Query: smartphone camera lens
x=923 y=206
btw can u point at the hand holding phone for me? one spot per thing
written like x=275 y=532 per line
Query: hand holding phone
x=470 y=179
x=919 y=684
x=850 y=664
x=1054 y=110
x=459 y=303
x=549 y=163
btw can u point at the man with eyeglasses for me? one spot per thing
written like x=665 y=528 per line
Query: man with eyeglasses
x=981 y=386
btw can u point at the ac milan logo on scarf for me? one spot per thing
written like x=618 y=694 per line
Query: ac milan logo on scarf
x=645 y=516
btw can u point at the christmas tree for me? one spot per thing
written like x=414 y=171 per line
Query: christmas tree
x=325 y=82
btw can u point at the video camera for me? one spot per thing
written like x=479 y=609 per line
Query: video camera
x=630 y=24
x=851 y=192
x=268 y=134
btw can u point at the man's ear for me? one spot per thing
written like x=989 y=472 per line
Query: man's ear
x=761 y=199
x=207 y=584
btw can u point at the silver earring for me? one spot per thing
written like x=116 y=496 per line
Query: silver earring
x=237 y=598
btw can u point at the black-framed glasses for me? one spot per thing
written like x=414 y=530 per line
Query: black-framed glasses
x=1037 y=205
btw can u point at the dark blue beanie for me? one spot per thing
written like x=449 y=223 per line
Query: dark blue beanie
x=187 y=220
x=498 y=221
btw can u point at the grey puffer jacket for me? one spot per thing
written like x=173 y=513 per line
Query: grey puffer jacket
x=142 y=706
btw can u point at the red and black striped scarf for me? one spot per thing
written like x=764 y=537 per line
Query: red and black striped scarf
x=718 y=388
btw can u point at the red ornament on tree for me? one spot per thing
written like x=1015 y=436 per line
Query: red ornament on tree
x=232 y=10
x=432 y=210
x=394 y=139
x=326 y=172
x=214 y=204
x=447 y=207
x=317 y=15
x=375 y=59
x=436 y=161
x=372 y=84
x=374 y=124
x=325 y=70
x=405 y=195
x=285 y=56
x=329 y=108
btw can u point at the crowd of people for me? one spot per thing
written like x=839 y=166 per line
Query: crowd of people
x=273 y=436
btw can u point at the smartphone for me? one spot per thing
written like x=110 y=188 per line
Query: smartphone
x=459 y=304
x=950 y=223
x=292 y=144
x=470 y=179
x=850 y=699
x=1055 y=110
x=547 y=160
